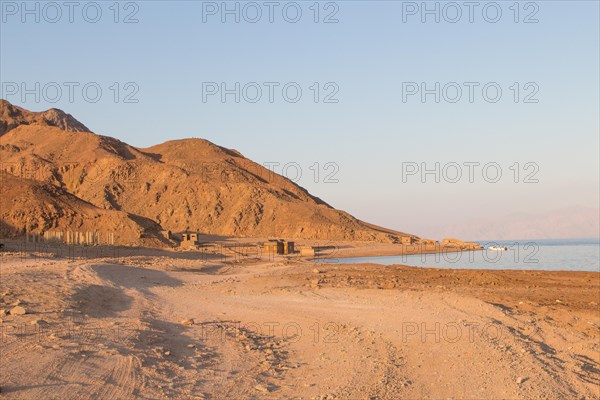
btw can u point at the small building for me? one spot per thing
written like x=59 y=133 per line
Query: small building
x=280 y=246
x=288 y=247
x=271 y=247
x=189 y=240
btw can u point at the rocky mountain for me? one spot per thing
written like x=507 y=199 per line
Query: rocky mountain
x=12 y=116
x=180 y=185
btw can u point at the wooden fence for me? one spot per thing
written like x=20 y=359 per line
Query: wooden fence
x=72 y=237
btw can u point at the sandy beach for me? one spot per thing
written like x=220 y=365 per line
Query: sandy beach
x=159 y=325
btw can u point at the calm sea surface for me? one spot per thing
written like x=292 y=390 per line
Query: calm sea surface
x=549 y=255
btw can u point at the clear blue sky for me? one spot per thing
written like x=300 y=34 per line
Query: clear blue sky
x=368 y=54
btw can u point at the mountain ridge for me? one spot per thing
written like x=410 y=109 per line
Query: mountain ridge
x=187 y=184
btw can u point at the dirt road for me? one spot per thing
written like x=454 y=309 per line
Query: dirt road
x=167 y=327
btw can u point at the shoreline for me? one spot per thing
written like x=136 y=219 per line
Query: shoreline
x=338 y=251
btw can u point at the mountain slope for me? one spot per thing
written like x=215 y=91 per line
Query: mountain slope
x=189 y=184
x=26 y=205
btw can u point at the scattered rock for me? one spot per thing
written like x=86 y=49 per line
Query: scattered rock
x=316 y=271
x=262 y=388
x=332 y=396
x=191 y=346
x=18 y=310
x=187 y=322
x=167 y=353
x=39 y=322
x=521 y=379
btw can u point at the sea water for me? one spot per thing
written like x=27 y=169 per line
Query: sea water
x=543 y=255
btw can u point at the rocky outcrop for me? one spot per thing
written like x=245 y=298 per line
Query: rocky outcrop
x=12 y=116
x=461 y=245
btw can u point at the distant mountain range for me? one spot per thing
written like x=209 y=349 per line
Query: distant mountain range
x=566 y=223
x=60 y=175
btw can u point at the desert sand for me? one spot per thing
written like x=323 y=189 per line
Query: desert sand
x=154 y=324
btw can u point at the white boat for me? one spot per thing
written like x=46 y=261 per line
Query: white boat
x=498 y=248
